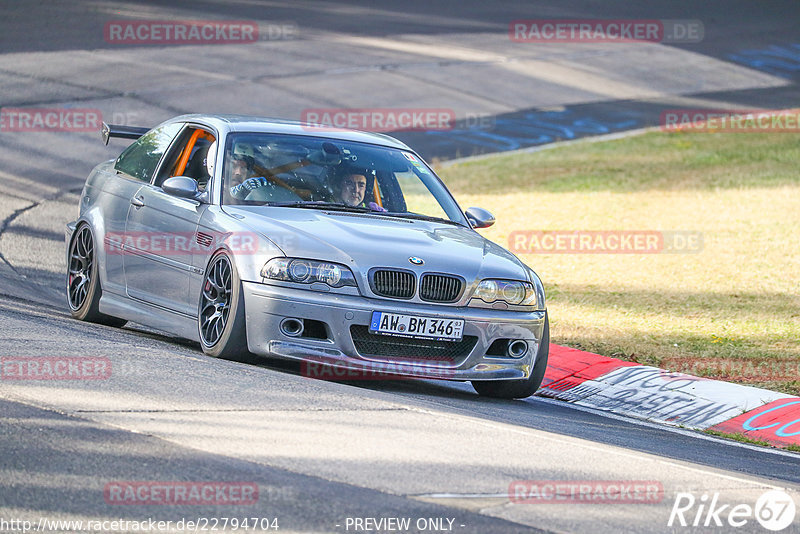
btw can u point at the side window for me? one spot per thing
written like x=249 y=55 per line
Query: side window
x=416 y=195
x=140 y=159
x=188 y=157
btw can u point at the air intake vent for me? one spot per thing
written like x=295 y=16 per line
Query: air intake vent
x=440 y=288
x=204 y=240
x=393 y=284
x=443 y=353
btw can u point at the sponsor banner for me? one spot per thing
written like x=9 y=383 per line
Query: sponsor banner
x=178 y=243
x=635 y=390
x=379 y=119
x=586 y=492
x=777 y=422
x=54 y=368
x=50 y=119
x=352 y=370
x=652 y=393
x=174 y=493
x=605 y=242
x=606 y=31
x=567 y=368
x=730 y=121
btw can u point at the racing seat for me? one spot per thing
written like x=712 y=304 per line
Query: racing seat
x=196 y=167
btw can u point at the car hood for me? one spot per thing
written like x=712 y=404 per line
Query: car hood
x=363 y=241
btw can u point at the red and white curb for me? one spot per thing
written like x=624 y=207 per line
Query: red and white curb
x=678 y=399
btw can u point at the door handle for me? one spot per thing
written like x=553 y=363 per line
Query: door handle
x=137 y=201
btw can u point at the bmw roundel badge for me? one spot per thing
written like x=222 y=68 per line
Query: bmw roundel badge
x=415 y=260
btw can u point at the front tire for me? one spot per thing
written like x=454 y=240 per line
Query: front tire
x=83 y=282
x=221 y=317
x=519 y=389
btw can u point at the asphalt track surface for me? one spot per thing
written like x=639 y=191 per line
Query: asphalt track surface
x=321 y=452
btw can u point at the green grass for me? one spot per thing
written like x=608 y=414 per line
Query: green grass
x=739 y=437
x=653 y=161
x=735 y=302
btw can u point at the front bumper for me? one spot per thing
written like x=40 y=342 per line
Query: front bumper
x=267 y=306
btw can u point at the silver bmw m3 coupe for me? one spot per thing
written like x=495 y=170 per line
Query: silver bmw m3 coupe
x=290 y=240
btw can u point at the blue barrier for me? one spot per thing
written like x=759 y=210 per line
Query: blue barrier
x=531 y=129
x=783 y=61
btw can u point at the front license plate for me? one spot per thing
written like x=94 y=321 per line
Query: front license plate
x=394 y=324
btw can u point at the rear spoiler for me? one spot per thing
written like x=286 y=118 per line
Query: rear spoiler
x=125 y=132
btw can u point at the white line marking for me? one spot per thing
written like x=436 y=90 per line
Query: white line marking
x=610 y=449
x=440 y=50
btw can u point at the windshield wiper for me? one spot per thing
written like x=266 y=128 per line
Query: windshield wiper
x=322 y=205
x=419 y=216
x=339 y=206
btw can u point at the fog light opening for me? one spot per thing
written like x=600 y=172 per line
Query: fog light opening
x=517 y=349
x=292 y=327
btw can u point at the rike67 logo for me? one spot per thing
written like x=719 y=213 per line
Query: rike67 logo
x=774 y=510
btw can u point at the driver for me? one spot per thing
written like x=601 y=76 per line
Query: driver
x=350 y=186
x=240 y=171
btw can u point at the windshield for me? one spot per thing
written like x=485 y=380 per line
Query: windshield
x=318 y=173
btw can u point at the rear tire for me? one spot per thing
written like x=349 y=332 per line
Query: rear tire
x=519 y=389
x=83 y=282
x=221 y=317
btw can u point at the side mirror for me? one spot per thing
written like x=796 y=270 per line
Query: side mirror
x=182 y=187
x=479 y=217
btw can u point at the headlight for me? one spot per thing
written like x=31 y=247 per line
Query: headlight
x=509 y=291
x=308 y=272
